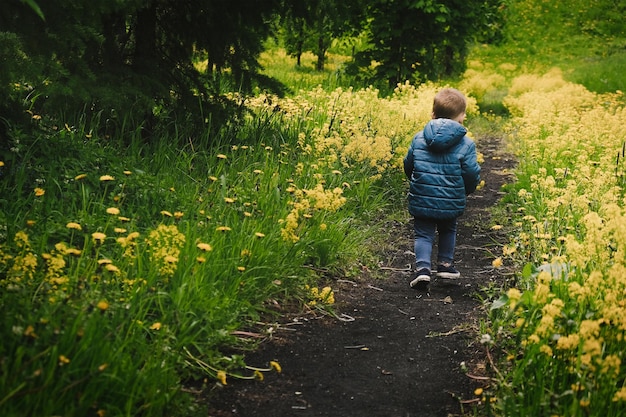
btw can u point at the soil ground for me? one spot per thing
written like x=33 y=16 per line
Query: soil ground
x=389 y=351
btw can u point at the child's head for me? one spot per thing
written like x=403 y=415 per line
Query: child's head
x=449 y=103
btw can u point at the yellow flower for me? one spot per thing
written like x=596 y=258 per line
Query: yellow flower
x=178 y=214
x=127 y=172
x=223 y=229
x=204 y=247
x=80 y=177
x=39 y=192
x=103 y=305
x=276 y=366
x=156 y=326
x=259 y=234
x=104 y=261
x=497 y=263
x=229 y=200
x=98 y=237
x=123 y=219
x=72 y=225
x=222 y=156
x=241 y=268
x=221 y=376
x=1 y=163
x=119 y=230
x=478 y=392
x=213 y=178
x=113 y=210
x=496 y=227
x=112 y=268
x=166 y=213
x=107 y=178
x=73 y=251
x=63 y=360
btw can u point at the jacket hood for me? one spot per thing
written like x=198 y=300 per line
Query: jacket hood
x=442 y=134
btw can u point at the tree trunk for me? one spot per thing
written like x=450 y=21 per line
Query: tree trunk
x=145 y=40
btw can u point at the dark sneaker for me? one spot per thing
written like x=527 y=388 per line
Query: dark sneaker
x=422 y=281
x=447 y=271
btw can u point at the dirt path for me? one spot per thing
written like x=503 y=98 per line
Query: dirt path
x=402 y=353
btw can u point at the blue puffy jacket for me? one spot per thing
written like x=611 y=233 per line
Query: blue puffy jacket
x=442 y=169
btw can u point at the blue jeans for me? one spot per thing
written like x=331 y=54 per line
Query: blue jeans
x=425 y=238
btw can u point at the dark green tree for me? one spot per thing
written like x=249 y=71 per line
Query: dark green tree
x=312 y=25
x=131 y=58
x=419 y=40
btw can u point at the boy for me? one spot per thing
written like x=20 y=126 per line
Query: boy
x=442 y=169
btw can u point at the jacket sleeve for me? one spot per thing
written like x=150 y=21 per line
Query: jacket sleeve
x=408 y=162
x=470 y=170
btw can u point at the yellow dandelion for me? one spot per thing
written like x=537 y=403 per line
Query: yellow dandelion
x=123 y=219
x=166 y=213
x=102 y=367
x=30 y=223
x=107 y=178
x=497 y=263
x=229 y=200
x=80 y=177
x=30 y=332
x=247 y=214
x=276 y=366
x=73 y=251
x=63 y=360
x=104 y=261
x=259 y=234
x=213 y=178
x=241 y=268
x=119 y=230
x=478 y=392
x=496 y=227
x=98 y=237
x=156 y=326
x=204 y=247
x=170 y=259
x=127 y=172
x=221 y=156
x=73 y=225
x=200 y=259
x=221 y=376
x=102 y=305
x=178 y=214
x=1 y=163
x=223 y=229
x=258 y=171
x=112 y=268
x=336 y=172
x=39 y=192
x=113 y=210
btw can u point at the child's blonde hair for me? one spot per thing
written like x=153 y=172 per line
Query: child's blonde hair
x=449 y=103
